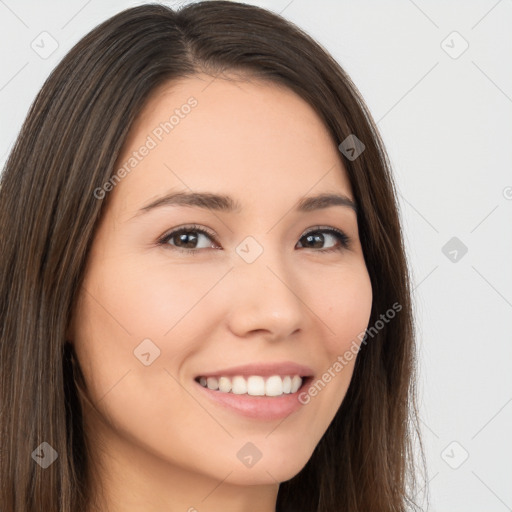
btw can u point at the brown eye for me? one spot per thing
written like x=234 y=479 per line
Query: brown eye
x=317 y=239
x=186 y=239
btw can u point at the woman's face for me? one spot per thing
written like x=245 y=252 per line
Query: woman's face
x=155 y=314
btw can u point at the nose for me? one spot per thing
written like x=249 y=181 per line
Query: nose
x=264 y=298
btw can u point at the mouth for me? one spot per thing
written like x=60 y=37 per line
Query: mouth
x=256 y=397
x=255 y=385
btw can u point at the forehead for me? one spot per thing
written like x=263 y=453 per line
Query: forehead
x=254 y=140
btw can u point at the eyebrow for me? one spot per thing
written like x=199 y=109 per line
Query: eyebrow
x=224 y=203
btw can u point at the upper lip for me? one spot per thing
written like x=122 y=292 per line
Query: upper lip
x=263 y=369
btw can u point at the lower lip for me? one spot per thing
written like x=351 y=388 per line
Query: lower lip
x=259 y=407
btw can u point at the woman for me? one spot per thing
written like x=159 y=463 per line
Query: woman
x=205 y=301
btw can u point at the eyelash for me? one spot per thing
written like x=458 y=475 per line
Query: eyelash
x=343 y=239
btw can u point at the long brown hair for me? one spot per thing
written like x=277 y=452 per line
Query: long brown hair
x=68 y=147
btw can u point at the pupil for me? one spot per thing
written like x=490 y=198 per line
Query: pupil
x=319 y=238
x=183 y=238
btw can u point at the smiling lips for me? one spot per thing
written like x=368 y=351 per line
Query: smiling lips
x=274 y=398
x=257 y=379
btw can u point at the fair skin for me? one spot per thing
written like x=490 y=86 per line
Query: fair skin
x=158 y=444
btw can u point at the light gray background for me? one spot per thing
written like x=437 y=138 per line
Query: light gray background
x=446 y=121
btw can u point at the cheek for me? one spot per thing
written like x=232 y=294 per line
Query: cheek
x=147 y=299
x=158 y=295
x=125 y=302
x=124 y=306
x=345 y=301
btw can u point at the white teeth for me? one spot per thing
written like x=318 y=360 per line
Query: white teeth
x=287 y=384
x=239 y=386
x=224 y=385
x=212 y=383
x=274 y=386
x=254 y=385
x=296 y=383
